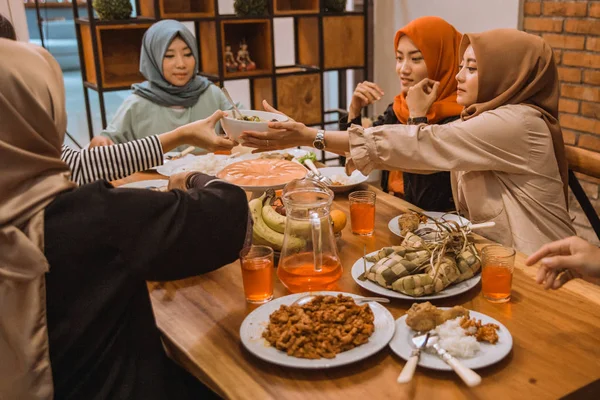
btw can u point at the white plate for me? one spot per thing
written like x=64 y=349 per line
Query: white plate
x=158 y=183
x=462 y=221
x=186 y=163
x=489 y=354
x=297 y=153
x=256 y=322
x=355 y=179
x=452 y=290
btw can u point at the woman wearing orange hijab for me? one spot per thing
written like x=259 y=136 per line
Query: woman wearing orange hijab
x=426 y=51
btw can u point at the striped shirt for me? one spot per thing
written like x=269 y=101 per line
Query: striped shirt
x=113 y=162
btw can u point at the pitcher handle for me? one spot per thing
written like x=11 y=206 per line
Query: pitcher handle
x=315 y=228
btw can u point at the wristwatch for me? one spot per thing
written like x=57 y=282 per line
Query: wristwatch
x=319 y=142
x=417 y=121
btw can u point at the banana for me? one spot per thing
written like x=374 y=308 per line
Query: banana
x=263 y=234
x=273 y=219
x=255 y=206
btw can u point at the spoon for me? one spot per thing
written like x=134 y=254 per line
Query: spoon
x=235 y=109
x=317 y=173
x=310 y=297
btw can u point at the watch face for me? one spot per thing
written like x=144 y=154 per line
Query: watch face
x=319 y=145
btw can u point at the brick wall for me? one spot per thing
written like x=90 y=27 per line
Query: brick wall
x=572 y=28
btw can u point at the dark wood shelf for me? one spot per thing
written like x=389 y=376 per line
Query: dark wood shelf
x=257 y=35
x=177 y=9
x=98 y=22
x=118 y=50
x=31 y=4
x=338 y=30
x=291 y=7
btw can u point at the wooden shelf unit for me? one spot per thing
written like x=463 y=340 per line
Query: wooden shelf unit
x=257 y=35
x=177 y=9
x=118 y=49
x=109 y=51
x=291 y=7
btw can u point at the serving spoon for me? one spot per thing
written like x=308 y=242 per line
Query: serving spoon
x=235 y=109
x=310 y=297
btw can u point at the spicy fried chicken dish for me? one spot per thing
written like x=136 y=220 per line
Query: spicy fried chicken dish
x=326 y=326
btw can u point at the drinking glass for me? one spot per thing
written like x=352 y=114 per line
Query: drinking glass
x=498 y=263
x=362 y=212
x=257 y=273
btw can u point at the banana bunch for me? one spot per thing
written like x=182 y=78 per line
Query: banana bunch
x=269 y=226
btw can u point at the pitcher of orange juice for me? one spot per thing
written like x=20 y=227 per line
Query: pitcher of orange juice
x=309 y=260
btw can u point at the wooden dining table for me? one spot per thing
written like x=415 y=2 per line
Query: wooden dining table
x=556 y=333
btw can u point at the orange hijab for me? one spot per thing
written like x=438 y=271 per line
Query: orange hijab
x=439 y=43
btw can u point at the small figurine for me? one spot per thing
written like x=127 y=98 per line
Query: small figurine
x=230 y=64
x=243 y=58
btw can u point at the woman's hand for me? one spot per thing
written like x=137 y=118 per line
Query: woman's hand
x=283 y=135
x=270 y=108
x=564 y=260
x=179 y=180
x=366 y=93
x=99 y=141
x=202 y=134
x=421 y=96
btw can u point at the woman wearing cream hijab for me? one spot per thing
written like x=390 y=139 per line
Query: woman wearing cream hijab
x=506 y=154
x=76 y=320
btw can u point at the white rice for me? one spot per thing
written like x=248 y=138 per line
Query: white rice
x=209 y=164
x=453 y=338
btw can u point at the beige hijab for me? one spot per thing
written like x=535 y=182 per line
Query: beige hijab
x=517 y=68
x=32 y=126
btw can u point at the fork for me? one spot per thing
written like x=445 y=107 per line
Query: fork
x=409 y=368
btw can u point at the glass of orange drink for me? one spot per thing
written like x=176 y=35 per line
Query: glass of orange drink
x=257 y=273
x=362 y=212
x=498 y=263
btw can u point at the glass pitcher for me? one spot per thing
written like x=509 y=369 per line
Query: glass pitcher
x=309 y=259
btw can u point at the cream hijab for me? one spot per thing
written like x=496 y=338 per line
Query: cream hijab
x=517 y=68
x=32 y=126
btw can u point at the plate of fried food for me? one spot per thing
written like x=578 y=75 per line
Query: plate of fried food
x=476 y=339
x=432 y=221
x=329 y=331
x=342 y=182
x=420 y=269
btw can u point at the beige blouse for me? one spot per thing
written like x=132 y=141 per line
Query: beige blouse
x=502 y=166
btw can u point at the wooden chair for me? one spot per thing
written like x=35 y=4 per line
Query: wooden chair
x=588 y=163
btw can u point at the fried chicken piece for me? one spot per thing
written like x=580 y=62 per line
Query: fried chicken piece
x=425 y=316
x=408 y=222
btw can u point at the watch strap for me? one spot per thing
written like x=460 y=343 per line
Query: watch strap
x=418 y=120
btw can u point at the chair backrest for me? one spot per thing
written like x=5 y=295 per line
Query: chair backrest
x=587 y=163
x=583 y=161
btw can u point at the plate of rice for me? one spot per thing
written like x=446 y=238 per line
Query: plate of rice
x=455 y=340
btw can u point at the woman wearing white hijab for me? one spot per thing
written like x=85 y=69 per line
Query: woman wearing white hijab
x=173 y=94
x=76 y=320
